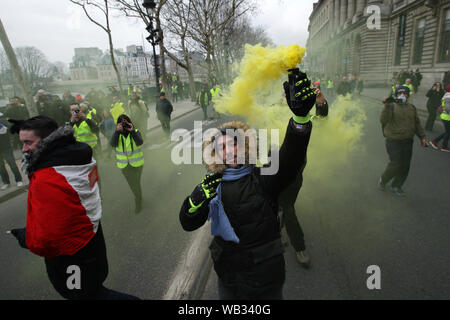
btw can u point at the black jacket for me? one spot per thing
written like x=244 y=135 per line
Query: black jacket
x=256 y=264
x=164 y=107
x=434 y=99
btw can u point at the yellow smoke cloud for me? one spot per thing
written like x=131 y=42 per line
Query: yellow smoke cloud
x=260 y=67
x=257 y=95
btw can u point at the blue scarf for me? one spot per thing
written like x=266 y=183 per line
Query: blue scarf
x=220 y=225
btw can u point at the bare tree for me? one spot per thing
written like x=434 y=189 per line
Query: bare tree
x=37 y=69
x=134 y=9
x=208 y=21
x=230 y=44
x=17 y=71
x=177 y=17
x=102 y=6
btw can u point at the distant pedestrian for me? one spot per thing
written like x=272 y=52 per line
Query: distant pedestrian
x=445 y=117
x=6 y=155
x=344 y=87
x=164 y=111
x=434 y=95
x=360 y=86
x=138 y=110
x=204 y=101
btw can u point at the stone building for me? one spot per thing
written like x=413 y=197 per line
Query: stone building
x=376 y=39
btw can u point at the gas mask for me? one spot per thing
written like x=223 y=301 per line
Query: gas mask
x=402 y=99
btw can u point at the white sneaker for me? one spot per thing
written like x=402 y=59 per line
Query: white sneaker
x=20 y=183
x=5 y=186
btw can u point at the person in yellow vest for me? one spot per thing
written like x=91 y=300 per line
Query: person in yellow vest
x=204 y=100
x=117 y=109
x=85 y=130
x=215 y=94
x=127 y=141
x=175 y=92
x=408 y=83
x=137 y=110
x=445 y=117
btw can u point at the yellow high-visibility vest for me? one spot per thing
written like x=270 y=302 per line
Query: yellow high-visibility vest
x=117 y=110
x=83 y=133
x=128 y=153
x=215 y=94
x=445 y=115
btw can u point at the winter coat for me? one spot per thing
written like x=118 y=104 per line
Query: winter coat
x=164 y=108
x=256 y=264
x=401 y=122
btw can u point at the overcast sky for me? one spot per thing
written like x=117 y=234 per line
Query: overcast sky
x=56 y=27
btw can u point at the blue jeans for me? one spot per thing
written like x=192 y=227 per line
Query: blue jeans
x=445 y=135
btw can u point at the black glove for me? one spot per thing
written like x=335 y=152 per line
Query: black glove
x=204 y=192
x=300 y=95
x=20 y=236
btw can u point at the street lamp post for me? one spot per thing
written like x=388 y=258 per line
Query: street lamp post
x=154 y=39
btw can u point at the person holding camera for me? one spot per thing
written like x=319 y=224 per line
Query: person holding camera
x=85 y=130
x=129 y=156
x=242 y=202
x=434 y=101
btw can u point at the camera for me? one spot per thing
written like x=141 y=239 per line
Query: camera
x=77 y=111
x=125 y=125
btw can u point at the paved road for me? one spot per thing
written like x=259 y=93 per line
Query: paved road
x=143 y=250
x=350 y=225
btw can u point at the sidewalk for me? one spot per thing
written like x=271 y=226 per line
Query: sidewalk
x=180 y=109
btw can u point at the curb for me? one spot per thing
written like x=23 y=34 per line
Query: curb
x=13 y=193
x=176 y=118
x=192 y=274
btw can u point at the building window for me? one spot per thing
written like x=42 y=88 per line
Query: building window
x=418 y=45
x=445 y=39
x=400 y=40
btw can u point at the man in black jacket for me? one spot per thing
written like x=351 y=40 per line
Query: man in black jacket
x=64 y=210
x=164 y=110
x=242 y=204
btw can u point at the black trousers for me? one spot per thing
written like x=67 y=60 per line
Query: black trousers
x=6 y=155
x=133 y=177
x=93 y=265
x=287 y=201
x=432 y=114
x=205 y=112
x=165 y=123
x=400 y=154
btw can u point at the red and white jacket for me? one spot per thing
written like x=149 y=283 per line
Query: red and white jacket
x=64 y=209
